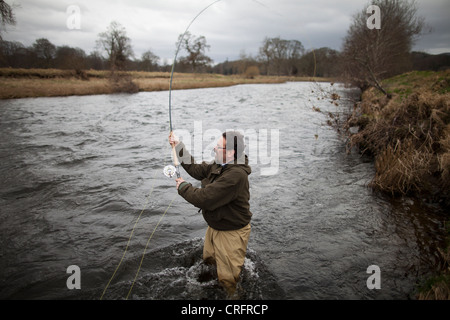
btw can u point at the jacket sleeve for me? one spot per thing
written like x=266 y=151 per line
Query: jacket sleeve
x=196 y=171
x=214 y=195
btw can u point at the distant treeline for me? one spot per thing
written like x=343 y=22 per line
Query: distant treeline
x=293 y=60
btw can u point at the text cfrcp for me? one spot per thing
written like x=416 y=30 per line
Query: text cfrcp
x=246 y=309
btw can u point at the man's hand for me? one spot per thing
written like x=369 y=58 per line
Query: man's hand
x=173 y=140
x=179 y=181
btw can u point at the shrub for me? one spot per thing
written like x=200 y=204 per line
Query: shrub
x=251 y=72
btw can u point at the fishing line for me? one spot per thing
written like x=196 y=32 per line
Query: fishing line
x=167 y=170
x=175 y=59
x=148 y=241
x=179 y=46
x=129 y=239
x=270 y=9
x=170 y=170
x=281 y=15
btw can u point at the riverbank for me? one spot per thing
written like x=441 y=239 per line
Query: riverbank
x=26 y=83
x=408 y=135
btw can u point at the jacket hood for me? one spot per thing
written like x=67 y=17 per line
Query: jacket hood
x=243 y=164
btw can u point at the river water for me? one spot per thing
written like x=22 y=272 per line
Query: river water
x=82 y=177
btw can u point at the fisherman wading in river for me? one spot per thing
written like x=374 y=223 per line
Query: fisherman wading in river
x=224 y=200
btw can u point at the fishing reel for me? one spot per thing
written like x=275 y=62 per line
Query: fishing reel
x=170 y=171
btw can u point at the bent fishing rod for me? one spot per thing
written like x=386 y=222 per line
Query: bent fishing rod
x=170 y=171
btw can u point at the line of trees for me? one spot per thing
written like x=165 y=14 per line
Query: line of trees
x=368 y=55
x=113 y=43
x=321 y=62
x=114 y=52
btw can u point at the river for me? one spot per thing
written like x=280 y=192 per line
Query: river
x=78 y=172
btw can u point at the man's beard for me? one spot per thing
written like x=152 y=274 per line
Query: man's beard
x=219 y=158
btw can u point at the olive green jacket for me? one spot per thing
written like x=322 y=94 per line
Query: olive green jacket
x=224 y=194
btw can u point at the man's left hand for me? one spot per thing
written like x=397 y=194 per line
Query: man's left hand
x=179 y=181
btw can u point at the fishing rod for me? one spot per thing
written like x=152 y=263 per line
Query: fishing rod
x=170 y=171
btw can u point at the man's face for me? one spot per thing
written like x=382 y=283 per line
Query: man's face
x=222 y=155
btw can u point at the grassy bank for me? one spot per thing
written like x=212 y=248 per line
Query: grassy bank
x=408 y=134
x=23 y=83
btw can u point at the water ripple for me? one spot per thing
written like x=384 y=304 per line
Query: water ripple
x=77 y=172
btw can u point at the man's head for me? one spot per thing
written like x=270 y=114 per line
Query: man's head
x=230 y=147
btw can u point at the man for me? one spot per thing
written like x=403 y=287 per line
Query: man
x=224 y=200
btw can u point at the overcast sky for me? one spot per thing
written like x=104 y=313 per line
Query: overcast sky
x=231 y=27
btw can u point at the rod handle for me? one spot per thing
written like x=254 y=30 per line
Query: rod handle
x=175 y=158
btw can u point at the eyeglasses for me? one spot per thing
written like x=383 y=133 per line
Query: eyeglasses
x=218 y=148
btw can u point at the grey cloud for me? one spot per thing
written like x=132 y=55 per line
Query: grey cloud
x=230 y=26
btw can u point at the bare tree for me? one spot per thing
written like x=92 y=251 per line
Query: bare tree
x=116 y=44
x=280 y=55
x=266 y=54
x=279 y=48
x=195 y=47
x=6 y=15
x=370 y=55
x=45 y=52
x=295 y=51
x=149 y=60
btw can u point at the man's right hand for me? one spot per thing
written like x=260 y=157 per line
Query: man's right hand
x=173 y=140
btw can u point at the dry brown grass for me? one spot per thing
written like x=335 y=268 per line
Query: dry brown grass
x=444 y=157
x=402 y=169
x=409 y=136
x=22 y=83
x=24 y=88
x=438 y=291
